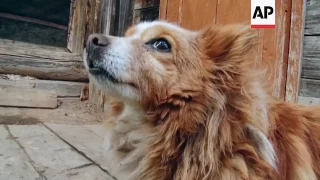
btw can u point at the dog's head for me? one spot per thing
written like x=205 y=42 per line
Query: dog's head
x=157 y=60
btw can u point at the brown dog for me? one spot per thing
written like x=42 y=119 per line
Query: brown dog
x=189 y=106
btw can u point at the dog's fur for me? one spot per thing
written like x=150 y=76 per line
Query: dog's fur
x=199 y=111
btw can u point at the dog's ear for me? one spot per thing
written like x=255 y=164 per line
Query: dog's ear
x=226 y=41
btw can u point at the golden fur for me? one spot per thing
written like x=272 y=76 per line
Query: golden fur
x=202 y=112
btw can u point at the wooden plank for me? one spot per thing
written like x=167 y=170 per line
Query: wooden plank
x=173 y=11
x=77 y=26
x=196 y=20
x=14 y=162
x=107 y=17
x=312 y=18
x=228 y=11
x=139 y=4
x=96 y=96
x=124 y=16
x=70 y=25
x=310 y=88
x=311 y=57
x=275 y=49
x=15 y=48
x=163 y=9
x=18 y=83
x=92 y=18
x=186 y=13
x=43 y=68
x=49 y=154
x=295 y=51
x=62 y=88
x=308 y=100
x=24 y=97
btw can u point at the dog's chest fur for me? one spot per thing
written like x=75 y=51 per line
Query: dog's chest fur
x=126 y=139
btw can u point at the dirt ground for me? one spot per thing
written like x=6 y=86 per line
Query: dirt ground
x=70 y=112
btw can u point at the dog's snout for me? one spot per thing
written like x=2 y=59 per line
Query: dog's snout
x=98 y=40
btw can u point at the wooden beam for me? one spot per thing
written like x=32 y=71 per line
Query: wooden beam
x=77 y=26
x=163 y=9
x=311 y=57
x=310 y=88
x=92 y=18
x=62 y=88
x=295 y=50
x=42 y=68
x=308 y=100
x=124 y=16
x=107 y=17
x=40 y=61
x=312 y=19
x=27 y=97
x=18 y=83
x=15 y=48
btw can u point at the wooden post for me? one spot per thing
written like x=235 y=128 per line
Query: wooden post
x=295 y=50
x=106 y=25
x=77 y=27
x=124 y=15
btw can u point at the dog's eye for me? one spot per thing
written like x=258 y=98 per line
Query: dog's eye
x=160 y=44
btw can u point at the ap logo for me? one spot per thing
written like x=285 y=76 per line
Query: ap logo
x=263 y=14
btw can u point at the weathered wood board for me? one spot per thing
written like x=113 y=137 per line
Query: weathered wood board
x=43 y=62
x=124 y=16
x=77 y=26
x=62 y=88
x=311 y=57
x=19 y=83
x=295 y=50
x=312 y=18
x=310 y=81
x=107 y=17
x=42 y=68
x=27 y=97
x=308 y=100
x=15 y=48
x=310 y=88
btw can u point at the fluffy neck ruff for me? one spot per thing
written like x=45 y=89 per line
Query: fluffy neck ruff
x=212 y=135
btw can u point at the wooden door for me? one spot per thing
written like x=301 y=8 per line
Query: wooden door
x=273 y=48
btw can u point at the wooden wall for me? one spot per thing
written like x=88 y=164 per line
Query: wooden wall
x=273 y=49
x=310 y=77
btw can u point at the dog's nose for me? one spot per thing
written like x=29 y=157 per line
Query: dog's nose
x=98 y=40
